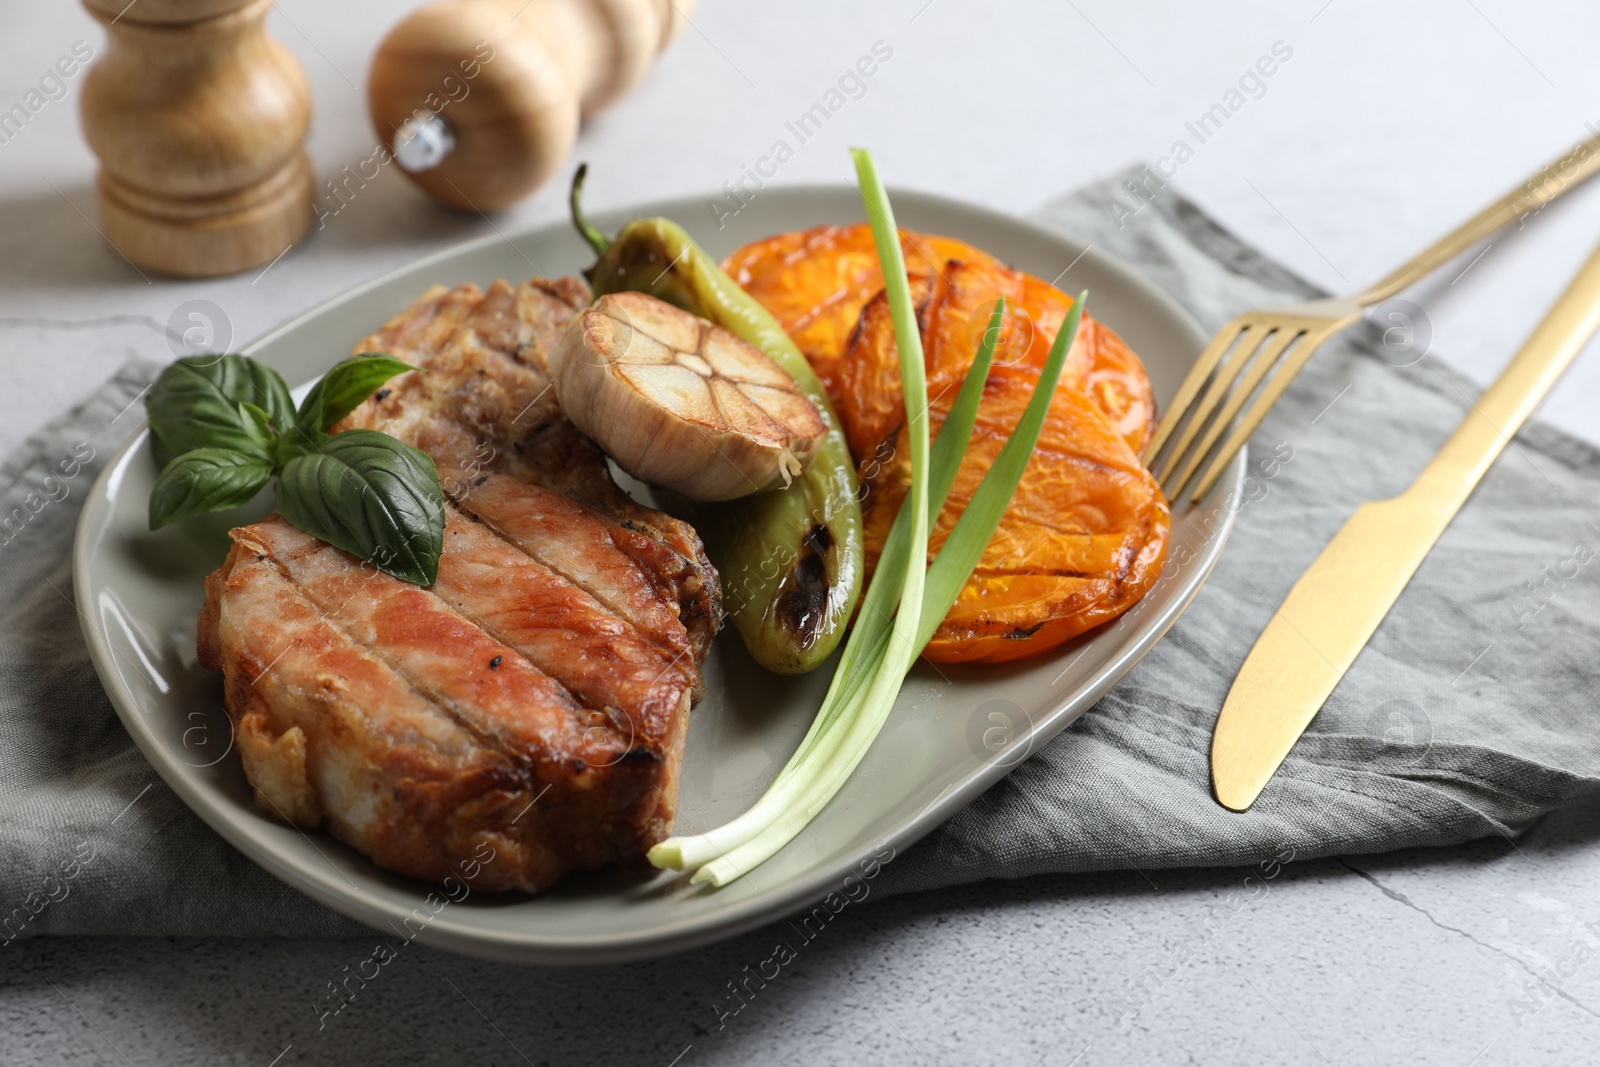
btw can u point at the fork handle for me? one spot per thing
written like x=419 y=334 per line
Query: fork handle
x=1518 y=205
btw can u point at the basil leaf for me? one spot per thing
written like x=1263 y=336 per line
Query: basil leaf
x=297 y=442
x=195 y=403
x=344 y=387
x=160 y=452
x=372 y=496
x=256 y=422
x=205 y=480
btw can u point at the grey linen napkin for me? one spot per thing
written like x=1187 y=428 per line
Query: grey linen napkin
x=1468 y=715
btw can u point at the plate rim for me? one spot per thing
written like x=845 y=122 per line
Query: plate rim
x=545 y=949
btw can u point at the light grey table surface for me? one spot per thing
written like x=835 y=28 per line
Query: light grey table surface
x=1387 y=125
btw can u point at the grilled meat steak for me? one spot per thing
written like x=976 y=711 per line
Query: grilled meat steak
x=535 y=698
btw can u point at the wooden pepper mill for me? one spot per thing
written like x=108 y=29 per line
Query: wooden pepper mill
x=480 y=100
x=198 y=118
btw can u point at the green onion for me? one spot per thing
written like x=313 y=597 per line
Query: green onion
x=945 y=578
x=899 y=580
x=870 y=635
x=906 y=600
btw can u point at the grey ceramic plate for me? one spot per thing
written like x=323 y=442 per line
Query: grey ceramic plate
x=952 y=734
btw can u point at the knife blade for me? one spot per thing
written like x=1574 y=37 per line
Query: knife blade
x=1339 y=601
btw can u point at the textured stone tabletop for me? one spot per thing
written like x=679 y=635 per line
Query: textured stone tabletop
x=1382 y=126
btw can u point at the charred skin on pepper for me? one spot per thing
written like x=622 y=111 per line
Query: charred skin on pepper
x=792 y=590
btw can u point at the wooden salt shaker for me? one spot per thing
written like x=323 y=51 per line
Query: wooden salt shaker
x=198 y=118
x=480 y=100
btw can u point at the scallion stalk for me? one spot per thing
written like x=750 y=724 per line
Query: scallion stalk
x=863 y=648
x=861 y=724
x=902 y=584
x=907 y=599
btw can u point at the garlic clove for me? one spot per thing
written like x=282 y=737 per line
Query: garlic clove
x=743 y=416
x=726 y=355
x=679 y=402
x=639 y=349
x=788 y=409
x=676 y=389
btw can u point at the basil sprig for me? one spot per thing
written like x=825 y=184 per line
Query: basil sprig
x=229 y=425
x=195 y=404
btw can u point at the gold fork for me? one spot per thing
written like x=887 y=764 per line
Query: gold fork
x=1258 y=341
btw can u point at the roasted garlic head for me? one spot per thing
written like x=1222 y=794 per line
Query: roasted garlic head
x=681 y=403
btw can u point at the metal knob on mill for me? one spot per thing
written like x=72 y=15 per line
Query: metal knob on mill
x=480 y=100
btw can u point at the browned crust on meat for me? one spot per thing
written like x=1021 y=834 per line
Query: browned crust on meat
x=486 y=359
x=430 y=728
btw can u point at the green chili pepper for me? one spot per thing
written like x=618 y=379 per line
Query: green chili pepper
x=790 y=559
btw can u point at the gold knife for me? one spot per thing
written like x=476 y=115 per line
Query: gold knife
x=1337 y=604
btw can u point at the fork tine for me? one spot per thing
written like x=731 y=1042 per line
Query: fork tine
x=1258 y=411
x=1191 y=385
x=1249 y=341
x=1271 y=352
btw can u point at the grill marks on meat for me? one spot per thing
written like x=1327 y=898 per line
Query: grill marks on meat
x=536 y=697
x=440 y=652
x=486 y=407
x=330 y=735
x=560 y=533
x=598 y=657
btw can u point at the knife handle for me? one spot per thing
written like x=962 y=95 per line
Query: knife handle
x=1502 y=409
